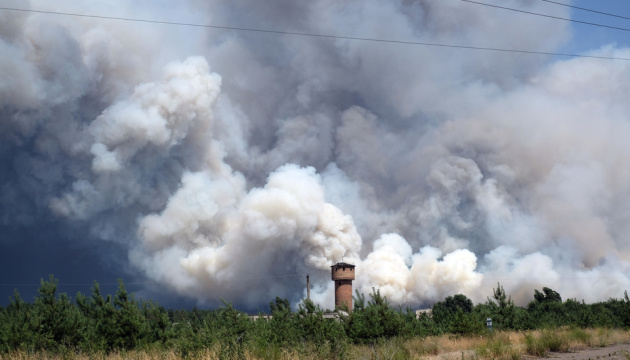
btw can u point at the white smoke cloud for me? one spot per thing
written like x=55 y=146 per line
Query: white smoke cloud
x=229 y=164
x=211 y=227
x=412 y=278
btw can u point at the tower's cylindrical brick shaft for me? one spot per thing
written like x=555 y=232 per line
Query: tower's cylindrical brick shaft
x=342 y=275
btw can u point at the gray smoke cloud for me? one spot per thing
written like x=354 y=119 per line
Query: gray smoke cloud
x=231 y=163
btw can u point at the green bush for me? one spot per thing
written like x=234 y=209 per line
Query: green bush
x=377 y=319
x=102 y=324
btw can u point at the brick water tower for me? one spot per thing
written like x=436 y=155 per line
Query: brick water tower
x=343 y=274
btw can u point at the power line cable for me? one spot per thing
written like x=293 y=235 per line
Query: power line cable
x=589 y=10
x=547 y=16
x=340 y=37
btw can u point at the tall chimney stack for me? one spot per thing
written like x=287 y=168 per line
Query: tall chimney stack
x=308 y=287
x=343 y=274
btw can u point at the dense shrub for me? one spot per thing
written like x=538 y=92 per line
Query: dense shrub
x=103 y=324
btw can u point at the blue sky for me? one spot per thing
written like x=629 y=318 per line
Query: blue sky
x=587 y=37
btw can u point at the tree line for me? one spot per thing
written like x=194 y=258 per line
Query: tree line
x=104 y=323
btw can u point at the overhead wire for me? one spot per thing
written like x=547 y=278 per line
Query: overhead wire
x=589 y=10
x=545 y=15
x=329 y=36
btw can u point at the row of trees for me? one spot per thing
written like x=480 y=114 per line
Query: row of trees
x=53 y=322
x=456 y=314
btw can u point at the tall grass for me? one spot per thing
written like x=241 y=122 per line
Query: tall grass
x=545 y=341
x=497 y=345
x=540 y=343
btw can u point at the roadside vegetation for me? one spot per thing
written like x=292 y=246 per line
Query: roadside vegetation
x=101 y=326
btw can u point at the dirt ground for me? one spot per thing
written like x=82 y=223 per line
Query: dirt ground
x=614 y=352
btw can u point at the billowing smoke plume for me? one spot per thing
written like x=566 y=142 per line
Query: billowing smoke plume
x=229 y=164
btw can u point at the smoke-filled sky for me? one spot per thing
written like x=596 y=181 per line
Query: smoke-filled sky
x=200 y=163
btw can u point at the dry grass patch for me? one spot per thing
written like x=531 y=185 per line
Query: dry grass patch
x=540 y=342
x=606 y=337
x=504 y=346
x=498 y=345
x=444 y=347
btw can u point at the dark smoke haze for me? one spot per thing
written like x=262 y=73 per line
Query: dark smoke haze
x=205 y=163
